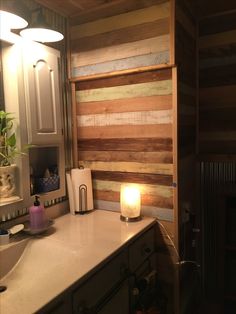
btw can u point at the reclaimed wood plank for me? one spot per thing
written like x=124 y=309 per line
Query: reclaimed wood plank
x=217 y=95
x=126 y=79
x=158 y=212
x=135 y=17
x=122 y=51
x=147 y=189
x=219 y=39
x=217 y=136
x=130 y=131
x=185 y=21
x=110 y=9
x=216 y=24
x=117 y=37
x=122 y=64
x=225 y=148
x=147 y=103
x=122 y=166
x=149 y=157
x=143 y=178
x=207 y=62
x=120 y=72
x=150 y=200
x=126 y=118
x=218 y=76
x=126 y=144
x=127 y=91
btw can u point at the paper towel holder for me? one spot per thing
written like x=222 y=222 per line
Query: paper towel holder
x=80 y=190
x=83 y=194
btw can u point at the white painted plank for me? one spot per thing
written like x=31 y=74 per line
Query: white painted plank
x=126 y=118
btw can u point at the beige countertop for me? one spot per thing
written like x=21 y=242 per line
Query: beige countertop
x=70 y=250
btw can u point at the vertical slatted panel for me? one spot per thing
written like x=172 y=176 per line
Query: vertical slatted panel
x=215 y=178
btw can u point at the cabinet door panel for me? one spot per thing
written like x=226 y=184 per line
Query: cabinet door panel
x=119 y=303
x=44 y=101
x=45 y=98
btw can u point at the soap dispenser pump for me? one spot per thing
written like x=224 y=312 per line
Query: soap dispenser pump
x=37 y=215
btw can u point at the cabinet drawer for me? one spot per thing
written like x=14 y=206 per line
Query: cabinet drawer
x=141 y=249
x=90 y=293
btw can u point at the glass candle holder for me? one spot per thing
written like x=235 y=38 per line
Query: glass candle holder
x=130 y=203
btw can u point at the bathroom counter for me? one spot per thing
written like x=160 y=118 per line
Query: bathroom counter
x=68 y=253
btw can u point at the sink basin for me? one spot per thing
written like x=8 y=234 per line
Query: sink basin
x=9 y=256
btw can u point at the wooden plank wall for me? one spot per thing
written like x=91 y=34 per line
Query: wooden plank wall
x=125 y=41
x=125 y=122
x=186 y=51
x=217 y=61
x=125 y=135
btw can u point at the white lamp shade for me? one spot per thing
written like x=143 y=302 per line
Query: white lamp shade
x=130 y=202
x=11 y=21
x=41 y=35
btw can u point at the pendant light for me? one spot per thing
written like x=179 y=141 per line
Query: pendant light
x=11 y=20
x=12 y=16
x=40 y=31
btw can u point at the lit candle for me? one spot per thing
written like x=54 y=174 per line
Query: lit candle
x=130 y=202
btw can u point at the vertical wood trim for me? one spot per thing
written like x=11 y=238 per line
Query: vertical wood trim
x=68 y=50
x=175 y=154
x=175 y=189
x=172 y=31
x=197 y=86
x=74 y=126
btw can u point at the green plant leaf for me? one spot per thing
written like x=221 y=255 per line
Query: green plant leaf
x=11 y=141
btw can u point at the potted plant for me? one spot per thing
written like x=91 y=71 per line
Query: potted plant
x=8 y=152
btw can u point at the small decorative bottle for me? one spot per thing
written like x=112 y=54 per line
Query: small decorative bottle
x=37 y=215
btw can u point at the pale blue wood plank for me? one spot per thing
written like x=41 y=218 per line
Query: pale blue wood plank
x=162 y=57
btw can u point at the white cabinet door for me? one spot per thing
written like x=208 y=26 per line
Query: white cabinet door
x=43 y=95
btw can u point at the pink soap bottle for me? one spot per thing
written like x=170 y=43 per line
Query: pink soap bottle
x=37 y=215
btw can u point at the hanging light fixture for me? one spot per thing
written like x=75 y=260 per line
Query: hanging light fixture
x=40 y=31
x=11 y=20
x=12 y=16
